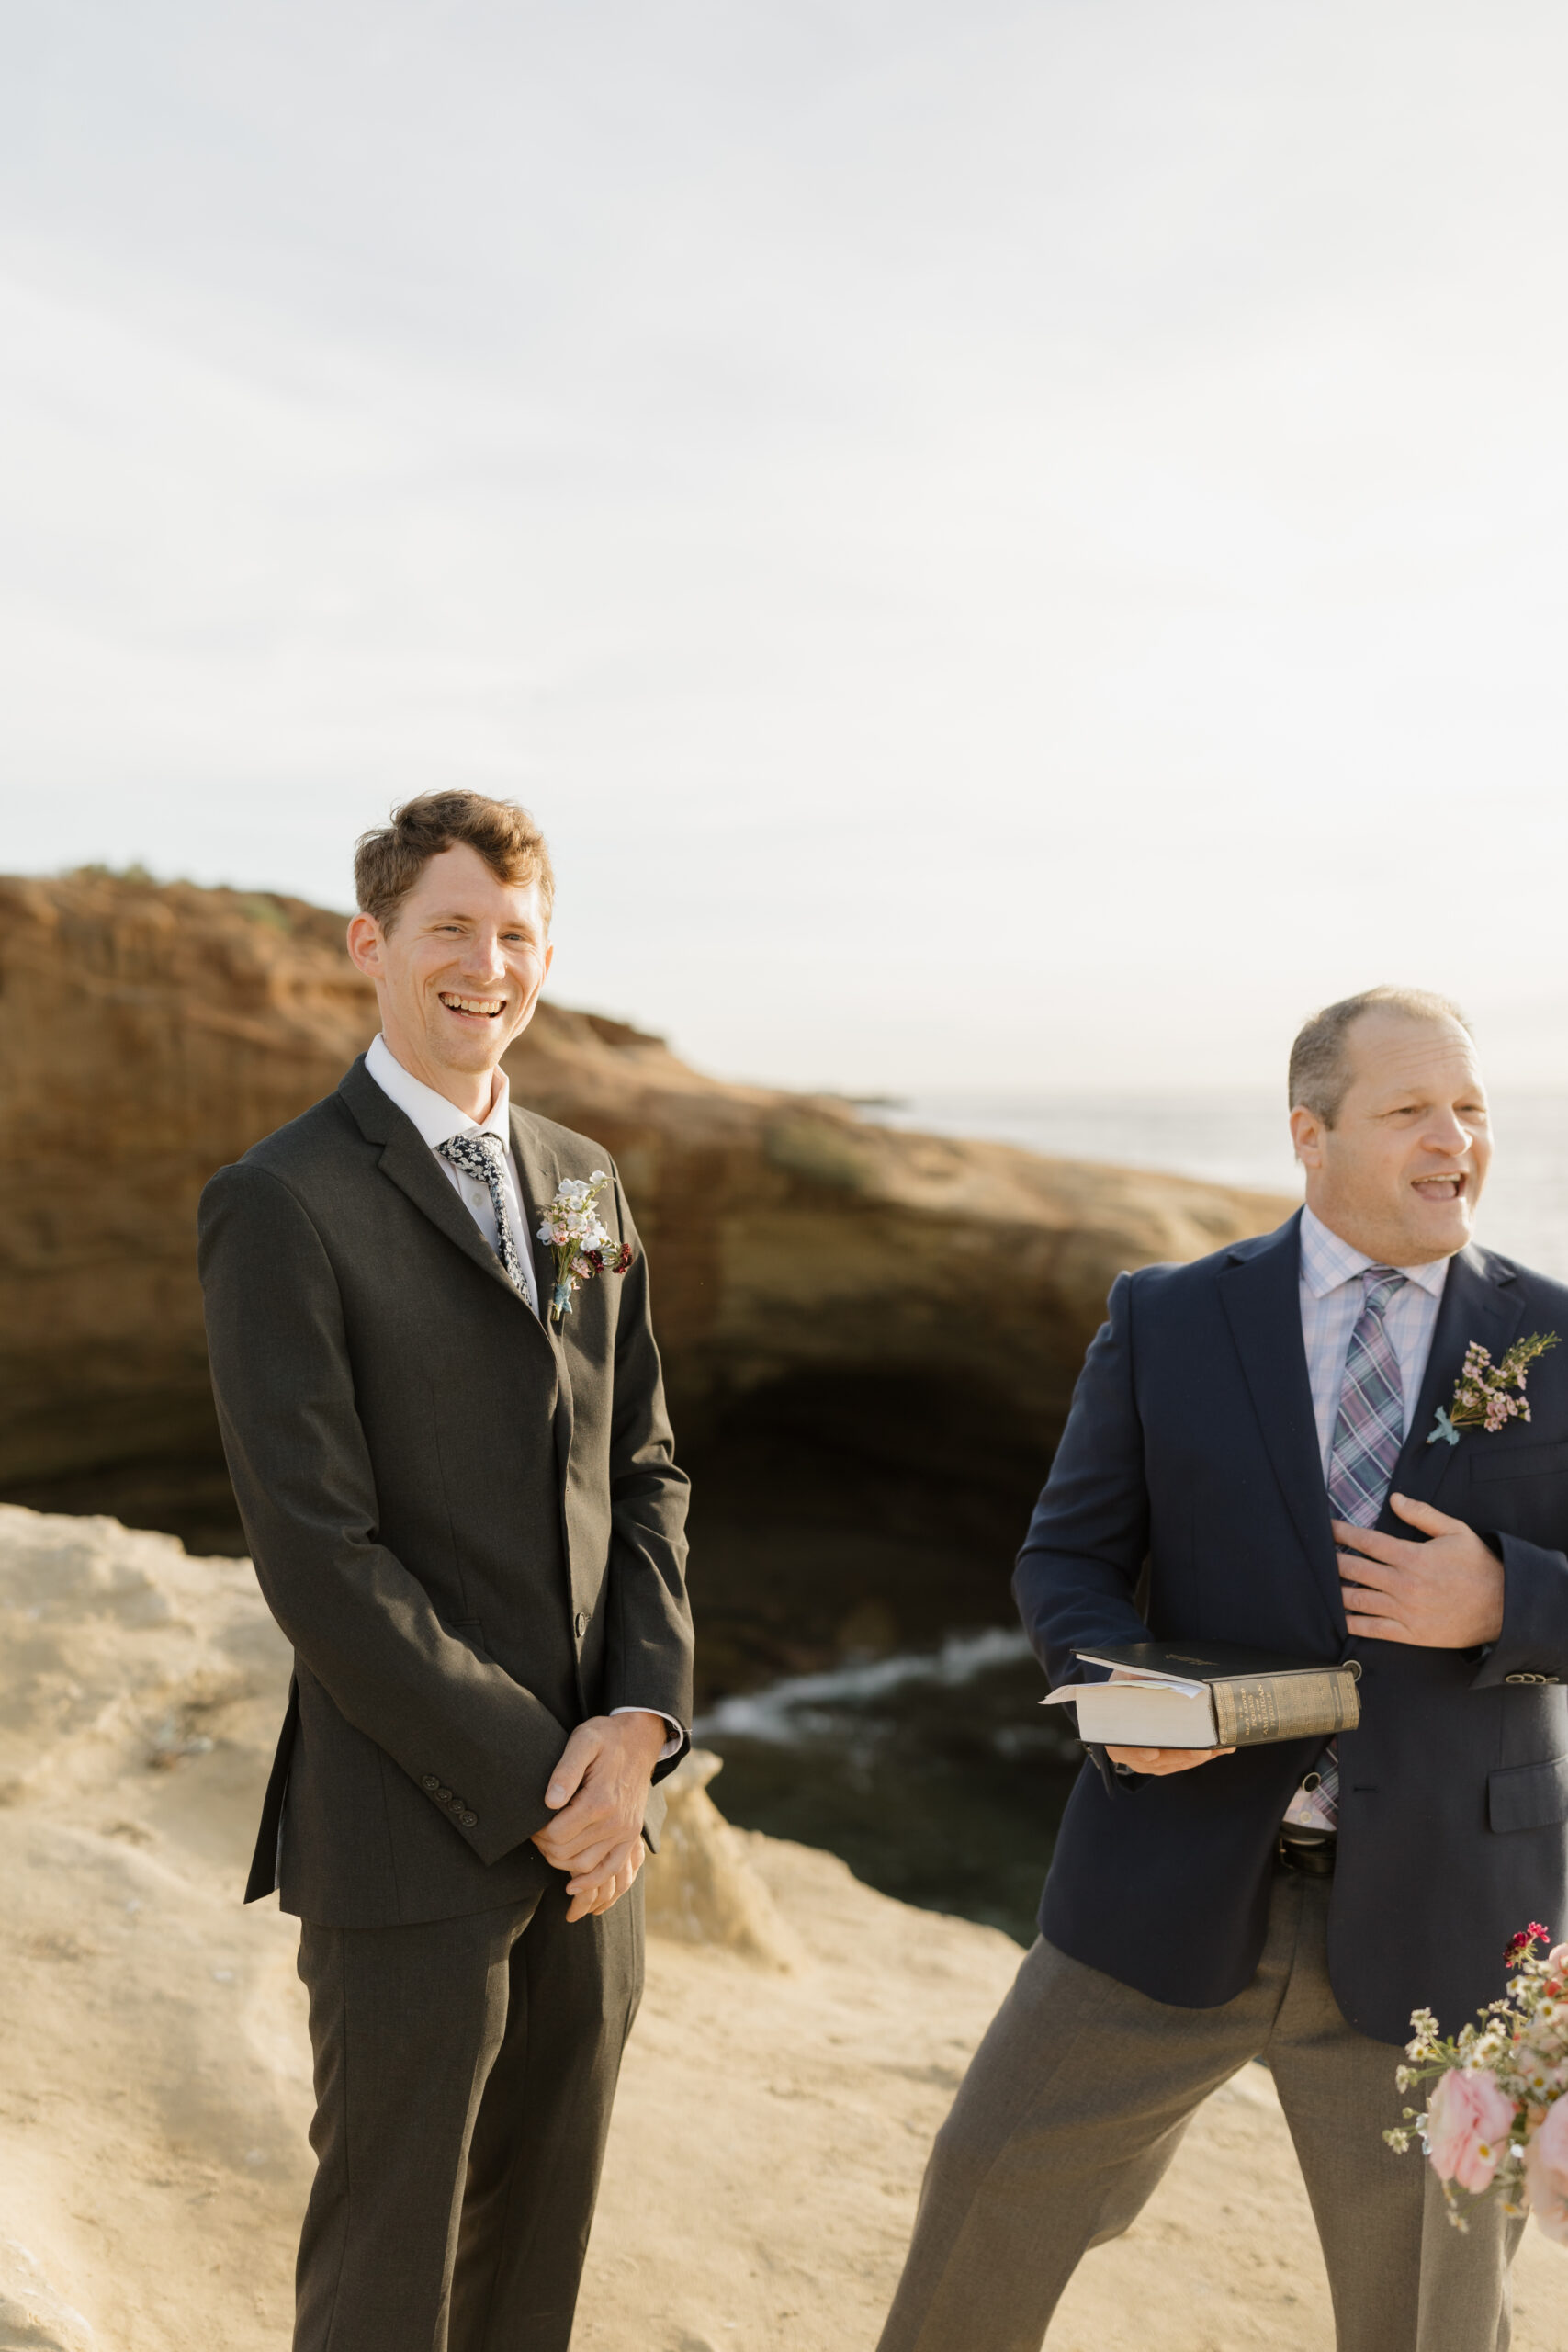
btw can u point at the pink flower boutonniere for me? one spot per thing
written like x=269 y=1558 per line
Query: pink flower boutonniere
x=583 y=1247
x=1487 y=1395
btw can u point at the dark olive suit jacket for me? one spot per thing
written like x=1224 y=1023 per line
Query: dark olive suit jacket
x=468 y=1522
x=1191 y=1456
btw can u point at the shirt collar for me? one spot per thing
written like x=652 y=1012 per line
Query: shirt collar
x=1327 y=1262
x=435 y=1118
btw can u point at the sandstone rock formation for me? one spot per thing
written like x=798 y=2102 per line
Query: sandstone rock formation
x=705 y=1890
x=154 y=1034
x=772 y=2128
x=859 y=1296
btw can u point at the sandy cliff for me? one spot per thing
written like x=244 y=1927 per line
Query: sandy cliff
x=780 y=2091
x=937 y=1292
x=877 y=1331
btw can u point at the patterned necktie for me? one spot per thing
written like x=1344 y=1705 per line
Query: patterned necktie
x=1369 y=1430
x=480 y=1156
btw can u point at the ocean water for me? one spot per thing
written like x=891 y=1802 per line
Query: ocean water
x=936 y=1775
x=1240 y=1136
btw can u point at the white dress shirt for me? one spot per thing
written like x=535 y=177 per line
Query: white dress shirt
x=1331 y=1295
x=436 y=1119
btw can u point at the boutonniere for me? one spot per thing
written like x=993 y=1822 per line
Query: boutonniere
x=582 y=1246
x=1486 y=1395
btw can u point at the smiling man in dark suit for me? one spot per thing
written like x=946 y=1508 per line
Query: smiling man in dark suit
x=466 y=1515
x=1247 y=1460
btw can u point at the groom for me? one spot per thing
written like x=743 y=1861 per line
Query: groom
x=1247 y=1460
x=465 y=1516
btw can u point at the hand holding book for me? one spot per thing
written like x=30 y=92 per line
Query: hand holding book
x=1206 y=1698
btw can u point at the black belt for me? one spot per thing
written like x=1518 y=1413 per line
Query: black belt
x=1314 y=1856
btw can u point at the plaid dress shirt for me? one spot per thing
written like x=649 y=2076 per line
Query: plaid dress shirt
x=1331 y=1301
x=1332 y=1295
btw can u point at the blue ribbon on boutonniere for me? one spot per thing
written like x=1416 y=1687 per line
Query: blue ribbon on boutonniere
x=1445 y=1428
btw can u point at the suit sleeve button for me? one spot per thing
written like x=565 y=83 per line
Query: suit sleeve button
x=443 y=1796
x=430 y=1783
x=470 y=1820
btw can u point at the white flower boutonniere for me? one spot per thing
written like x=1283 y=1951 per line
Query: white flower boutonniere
x=1486 y=1396
x=582 y=1246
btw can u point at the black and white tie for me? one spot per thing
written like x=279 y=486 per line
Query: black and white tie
x=480 y=1156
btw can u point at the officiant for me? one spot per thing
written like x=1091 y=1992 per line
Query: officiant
x=1263 y=1449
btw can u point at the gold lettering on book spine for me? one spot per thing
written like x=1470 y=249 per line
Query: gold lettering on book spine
x=1253 y=1708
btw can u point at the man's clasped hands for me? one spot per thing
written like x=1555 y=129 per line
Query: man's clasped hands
x=598 y=1793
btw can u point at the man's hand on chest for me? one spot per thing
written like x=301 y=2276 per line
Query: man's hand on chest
x=1445 y=1593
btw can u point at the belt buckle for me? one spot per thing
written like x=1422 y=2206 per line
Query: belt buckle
x=1313 y=1857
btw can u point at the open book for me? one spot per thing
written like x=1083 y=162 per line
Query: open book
x=1208 y=1694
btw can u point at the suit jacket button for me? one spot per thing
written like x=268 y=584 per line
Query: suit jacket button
x=431 y=1783
x=582 y=1622
x=470 y=1820
x=443 y=1796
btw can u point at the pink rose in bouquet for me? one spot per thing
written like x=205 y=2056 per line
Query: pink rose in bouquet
x=1496 y=2119
x=1546 y=2171
x=1468 y=2117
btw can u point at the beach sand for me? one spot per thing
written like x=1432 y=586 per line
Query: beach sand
x=773 y=2124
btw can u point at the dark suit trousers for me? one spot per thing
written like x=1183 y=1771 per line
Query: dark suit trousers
x=465 y=2072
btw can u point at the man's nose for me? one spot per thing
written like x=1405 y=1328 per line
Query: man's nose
x=1448 y=1135
x=484 y=961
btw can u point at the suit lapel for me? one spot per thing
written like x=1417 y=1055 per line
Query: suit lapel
x=538 y=1174
x=408 y=1161
x=1480 y=1301
x=1261 y=1294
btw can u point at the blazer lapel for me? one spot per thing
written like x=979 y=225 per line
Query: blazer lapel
x=407 y=1161
x=1262 y=1294
x=538 y=1174
x=1480 y=1301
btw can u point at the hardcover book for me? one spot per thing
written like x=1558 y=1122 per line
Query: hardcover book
x=1208 y=1694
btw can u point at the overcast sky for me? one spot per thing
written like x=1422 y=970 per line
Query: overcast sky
x=1007 y=544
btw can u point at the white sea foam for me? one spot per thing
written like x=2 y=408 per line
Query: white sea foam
x=808 y=1704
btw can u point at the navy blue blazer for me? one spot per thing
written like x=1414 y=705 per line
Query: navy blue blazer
x=1190 y=1458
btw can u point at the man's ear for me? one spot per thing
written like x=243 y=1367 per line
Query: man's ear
x=1306 y=1134
x=365 y=945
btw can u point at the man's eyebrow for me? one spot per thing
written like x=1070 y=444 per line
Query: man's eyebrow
x=461 y=914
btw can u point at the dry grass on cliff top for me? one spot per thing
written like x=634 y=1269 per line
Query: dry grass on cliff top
x=772 y=2128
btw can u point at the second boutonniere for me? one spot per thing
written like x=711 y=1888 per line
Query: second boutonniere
x=1486 y=1395
x=584 y=1245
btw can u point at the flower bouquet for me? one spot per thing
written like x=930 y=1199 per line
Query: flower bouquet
x=1496 y=2121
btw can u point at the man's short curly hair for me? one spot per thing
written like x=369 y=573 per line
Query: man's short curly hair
x=1320 y=1066
x=390 y=861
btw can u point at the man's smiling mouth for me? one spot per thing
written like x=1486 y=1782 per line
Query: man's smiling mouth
x=1441 y=1188
x=474 y=1008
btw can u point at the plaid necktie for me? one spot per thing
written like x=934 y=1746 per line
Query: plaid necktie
x=480 y=1156
x=1370 y=1428
x=1369 y=1432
